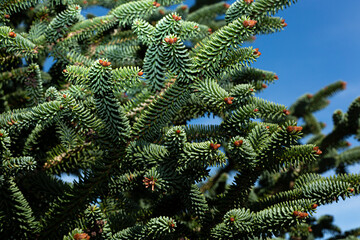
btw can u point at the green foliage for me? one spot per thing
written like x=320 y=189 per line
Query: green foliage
x=113 y=111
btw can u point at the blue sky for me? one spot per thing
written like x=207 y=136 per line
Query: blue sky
x=320 y=45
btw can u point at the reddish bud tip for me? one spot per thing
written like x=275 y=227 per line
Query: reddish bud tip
x=318 y=152
x=348 y=144
x=178 y=131
x=226 y=5
x=140 y=73
x=303 y=215
x=263 y=85
x=174 y=17
x=12 y=34
x=196 y=27
x=64 y=96
x=310 y=229
x=210 y=30
x=7 y=16
x=238 y=143
x=214 y=146
x=293 y=129
x=184 y=7
x=314 y=206
x=172 y=225
x=101 y=62
x=157 y=5
x=276 y=77
x=175 y=39
x=248 y=1
x=284 y=24
x=232 y=219
x=351 y=190
x=282 y=20
x=256 y=110
x=85 y=2
x=256 y=51
x=167 y=40
x=343 y=85
x=77 y=8
x=251 y=90
x=161 y=12
x=246 y=23
x=309 y=96
x=296 y=213
x=64 y=71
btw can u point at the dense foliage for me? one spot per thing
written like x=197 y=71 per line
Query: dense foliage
x=113 y=110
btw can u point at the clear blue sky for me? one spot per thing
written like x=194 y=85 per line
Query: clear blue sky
x=320 y=45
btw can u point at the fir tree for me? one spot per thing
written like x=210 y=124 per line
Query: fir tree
x=114 y=109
